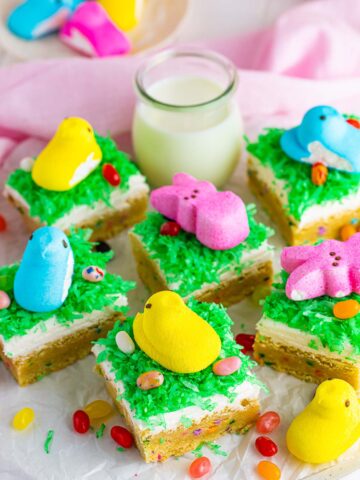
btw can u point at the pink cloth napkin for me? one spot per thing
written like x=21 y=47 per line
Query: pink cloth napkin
x=317 y=40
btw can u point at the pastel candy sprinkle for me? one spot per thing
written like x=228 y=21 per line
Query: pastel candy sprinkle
x=226 y=366
x=149 y=380
x=4 y=300
x=218 y=219
x=346 y=309
x=330 y=268
x=125 y=343
x=23 y=418
x=93 y=274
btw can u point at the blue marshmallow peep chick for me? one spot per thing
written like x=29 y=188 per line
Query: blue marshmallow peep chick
x=44 y=277
x=324 y=136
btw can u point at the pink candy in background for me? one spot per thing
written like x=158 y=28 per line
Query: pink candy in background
x=331 y=268
x=316 y=40
x=218 y=219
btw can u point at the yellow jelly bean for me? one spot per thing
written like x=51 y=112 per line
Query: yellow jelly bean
x=23 y=418
x=98 y=410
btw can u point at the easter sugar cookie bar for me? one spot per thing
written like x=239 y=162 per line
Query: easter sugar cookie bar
x=308 y=177
x=177 y=376
x=80 y=179
x=59 y=300
x=310 y=324
x=212 y=248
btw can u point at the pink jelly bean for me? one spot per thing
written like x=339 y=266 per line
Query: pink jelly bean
x=267 y=422
x=4 y=300
x=226 y=366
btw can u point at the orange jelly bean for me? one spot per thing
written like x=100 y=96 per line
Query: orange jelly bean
x=346 y=309
x=347 y=231
x=319 y=173
x=268 y=470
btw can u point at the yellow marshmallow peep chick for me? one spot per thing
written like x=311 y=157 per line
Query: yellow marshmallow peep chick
x=328 y=426
x=125 y=14
x=173 y=335
x=70 y=156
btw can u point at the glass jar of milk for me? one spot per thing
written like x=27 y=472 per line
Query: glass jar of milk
x=186 y=118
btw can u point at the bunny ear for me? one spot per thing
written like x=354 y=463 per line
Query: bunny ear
x=292 y=257
x=165 y=201
x=183 y=180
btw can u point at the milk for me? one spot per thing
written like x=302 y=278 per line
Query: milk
x=204 y=141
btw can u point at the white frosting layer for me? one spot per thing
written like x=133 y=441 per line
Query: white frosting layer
x=50 y=330
x=292 y=337
x=84 y=213
x=313 y=213
x=245 y=391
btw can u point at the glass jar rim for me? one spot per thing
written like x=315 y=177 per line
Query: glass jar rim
x=168 y=54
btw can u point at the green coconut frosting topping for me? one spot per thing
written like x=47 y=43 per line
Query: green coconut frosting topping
x=50 y=206
x=84 y=297
x=316 y=318
x=178 y=390
x=295 y=177
x=187 y=264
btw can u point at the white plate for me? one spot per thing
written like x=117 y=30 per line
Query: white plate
x=159 y=23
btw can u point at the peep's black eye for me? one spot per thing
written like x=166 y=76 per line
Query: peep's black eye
x=65 y=244
x=31 y=237
x=148 y=305
x=347 y=403
x=89 y=129
x=322 y=117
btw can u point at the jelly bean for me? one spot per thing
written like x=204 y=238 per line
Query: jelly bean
x=122 y=436
x=268 y=470
x=23 y=418
x=354 y=122
x=102 y=247
x=260 y=292
x=3 y=224
x=125 y=343
x=226 y=366
x=267 y=422
x=266 y=446
x=319 y=173
x=111 y=175
x=93 y=274
x=81 y=421
x=98 y=409
x=346 y=309
x=246 y=341
x=347 y=231
x=4 y=300
x=199 y=467
x=27 y=164
x=172 y=229
x=149 y=380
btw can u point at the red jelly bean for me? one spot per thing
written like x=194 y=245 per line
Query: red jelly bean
x=199 y=467
x=81 y=421
x=111 y=175
x=354 y=122
x=266 y=446
x=267 y=422
x=3 y=224
x=170 y=228
x=122 y=436
x=246 y=341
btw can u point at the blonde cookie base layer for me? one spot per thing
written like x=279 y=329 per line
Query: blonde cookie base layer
x=58 y=354
x=228 y=292
x=288 y=227
x=160 y=446
x=311 y=367
x=105 y=226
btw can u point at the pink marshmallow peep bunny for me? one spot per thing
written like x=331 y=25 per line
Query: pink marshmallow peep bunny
x=218 y=219
x=331 y=268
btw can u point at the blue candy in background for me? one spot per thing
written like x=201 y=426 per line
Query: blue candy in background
x=33 y=19
x=329 y=128
x=44 y=277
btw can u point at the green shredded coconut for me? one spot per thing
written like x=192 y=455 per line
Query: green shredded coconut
x=296 y=176
x=316 y=318
x=187 y=264
x=185 y=421
x=48 y=441
x=84 y=297
x=178 y=390
x=51 y=206
x=120 y=449
x=100 y=432
x=212 y=446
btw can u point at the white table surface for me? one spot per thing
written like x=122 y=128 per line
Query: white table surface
x=206 y=19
